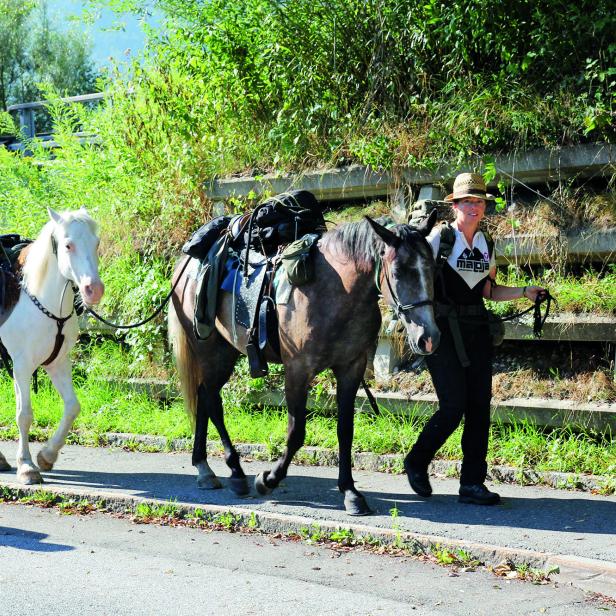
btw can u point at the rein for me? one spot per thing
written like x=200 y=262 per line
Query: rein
x=154 y=314
x=400 y=308
x=538 y=319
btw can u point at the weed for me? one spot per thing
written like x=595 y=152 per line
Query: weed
x=345 y=536
x=41 y=498
x=457 y=557
x=153 y=511
x=452 y=471
x=72 y=507
x=444 y=556
x=253 y=522
x=523 y=571
x=313 y=534
x=227 y=520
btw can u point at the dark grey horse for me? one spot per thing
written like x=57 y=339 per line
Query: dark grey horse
x=332 y=322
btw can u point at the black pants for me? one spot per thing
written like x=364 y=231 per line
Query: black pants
x=462 y=392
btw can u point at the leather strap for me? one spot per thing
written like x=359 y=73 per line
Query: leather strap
x=60 y=321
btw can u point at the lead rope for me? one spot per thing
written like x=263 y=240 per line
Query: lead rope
x=154 y=314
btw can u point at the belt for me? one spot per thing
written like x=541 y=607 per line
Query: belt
x=454 y=314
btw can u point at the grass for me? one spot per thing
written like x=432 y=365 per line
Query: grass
x=110 y=408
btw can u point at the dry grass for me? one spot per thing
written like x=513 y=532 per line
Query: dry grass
x=550 y=371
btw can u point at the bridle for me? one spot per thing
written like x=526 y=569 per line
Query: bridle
x=398 y=306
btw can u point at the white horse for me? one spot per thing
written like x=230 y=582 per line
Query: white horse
x=65 y=253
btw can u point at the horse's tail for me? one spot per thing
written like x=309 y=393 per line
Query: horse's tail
x=185 y=361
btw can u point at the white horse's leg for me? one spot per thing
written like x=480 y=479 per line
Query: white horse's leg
x=27 y=472
x=61 y=377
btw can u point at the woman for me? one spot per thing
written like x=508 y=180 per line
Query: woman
x=461 y=367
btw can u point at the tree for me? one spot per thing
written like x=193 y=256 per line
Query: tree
x=13 y=31
x=33 y=50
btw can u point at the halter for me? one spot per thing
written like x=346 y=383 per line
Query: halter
x=398 y=306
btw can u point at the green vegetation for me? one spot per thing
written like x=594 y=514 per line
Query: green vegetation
x=145 y=512
x=256 y=84
x=234 y=86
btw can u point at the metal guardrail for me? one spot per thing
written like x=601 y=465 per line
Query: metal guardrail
x=360 y=182
x=26 y=113
x=586 y=245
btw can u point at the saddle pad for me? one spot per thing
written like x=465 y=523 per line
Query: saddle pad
x=246 y=292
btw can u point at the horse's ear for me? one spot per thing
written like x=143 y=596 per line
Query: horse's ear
x=425 y=226
x=53 y=215
x=389 y=237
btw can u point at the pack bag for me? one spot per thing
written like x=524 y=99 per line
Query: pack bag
x=297 y=259
x=283 y=219
x=11 y=244
x=203 y=238
x=448 y=239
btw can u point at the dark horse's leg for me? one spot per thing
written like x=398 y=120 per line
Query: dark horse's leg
x=296 y=392
x=209 y=406
x=348 y=378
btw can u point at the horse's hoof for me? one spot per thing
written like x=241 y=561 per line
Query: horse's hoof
x=209 y=482
x=29 y=476
x=355 y=504
x=260 y=486
x=43 y=463
x=239 y=486
x=4 y=465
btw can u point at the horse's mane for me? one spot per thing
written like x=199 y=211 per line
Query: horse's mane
x=40 y=251
x=358 y=241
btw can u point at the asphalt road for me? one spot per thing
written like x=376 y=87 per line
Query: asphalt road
x=100 y=564
x=576 y=527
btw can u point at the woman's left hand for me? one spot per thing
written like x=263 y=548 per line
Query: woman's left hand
x=532 y=292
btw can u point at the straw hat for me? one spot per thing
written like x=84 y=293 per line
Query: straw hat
x=469 y=185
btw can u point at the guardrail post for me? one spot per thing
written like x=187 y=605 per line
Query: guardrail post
x=26 y=123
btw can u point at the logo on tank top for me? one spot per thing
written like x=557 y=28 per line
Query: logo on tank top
x=472 y=261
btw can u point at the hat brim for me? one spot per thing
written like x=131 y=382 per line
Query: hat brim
x=484 y=196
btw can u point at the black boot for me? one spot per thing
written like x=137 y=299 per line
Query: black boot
x=477 y=494
x=418 y=478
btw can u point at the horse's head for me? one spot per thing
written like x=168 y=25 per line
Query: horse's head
x=75 y=241
x=407 y=281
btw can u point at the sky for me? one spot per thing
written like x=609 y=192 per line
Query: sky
x=109 y=42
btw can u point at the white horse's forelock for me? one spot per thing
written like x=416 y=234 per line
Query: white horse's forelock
x=40 y=251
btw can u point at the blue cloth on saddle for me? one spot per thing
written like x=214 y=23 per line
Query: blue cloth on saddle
x=234 y=274
x=246 y=292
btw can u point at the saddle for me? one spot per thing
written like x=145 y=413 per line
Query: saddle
x=243 y=254
x=13 y=250
x=12 y=257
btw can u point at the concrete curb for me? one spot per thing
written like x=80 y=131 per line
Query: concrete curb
x=587 y=574
x=382 y=463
